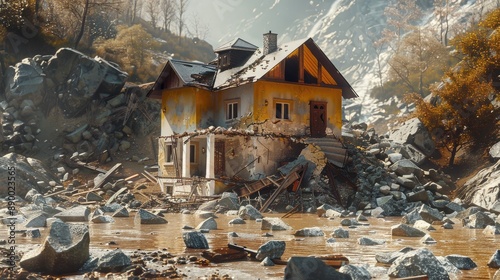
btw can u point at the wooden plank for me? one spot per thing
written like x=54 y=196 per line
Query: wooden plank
x=93 y=168
x=115 y=195
x=56 y=193
x=84 y=192
x=289 y=179
x=107 y=175
x=149 y=179
x=131 y=177
x=274 y=182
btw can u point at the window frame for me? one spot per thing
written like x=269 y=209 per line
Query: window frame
x=283 y=102
x=229 y=106
x=193 y=153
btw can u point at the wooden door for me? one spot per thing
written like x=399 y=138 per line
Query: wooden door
x=318 y=118
x=220 y=160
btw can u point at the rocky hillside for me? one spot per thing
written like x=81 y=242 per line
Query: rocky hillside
x=70 y=108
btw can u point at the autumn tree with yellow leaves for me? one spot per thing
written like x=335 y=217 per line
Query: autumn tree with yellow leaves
x=462 y=112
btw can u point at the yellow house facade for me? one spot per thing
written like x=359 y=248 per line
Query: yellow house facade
x=240 y=116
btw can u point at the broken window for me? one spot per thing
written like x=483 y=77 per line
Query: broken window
x=282 y=109
x=231 y=110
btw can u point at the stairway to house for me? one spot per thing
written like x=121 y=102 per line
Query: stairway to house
x=334 y=150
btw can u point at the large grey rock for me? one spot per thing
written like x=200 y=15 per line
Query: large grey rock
x=406 y=167
x=478 y=220
x=248 y=212
x=25 y=80
x=309 y=268
x=102 y=219
x=75 y=214
x=418 y=262
x=114 y=261
x=340 y=233
x=28 y=171
x=311 y=232
x=461 y=262
x=429 y=214
x=390 y=257
x=491 y=230
x=483 y=189
x=414 y=132
x=145 y=217
x=356 y=272
x=272 y=249
x=65 y=250
x=369 y=241
x=121 y=213
x=209 y=224
x=494 y=261
x=229 y=201
x=195 y=240
x=202 y=214
x=423 y=225
x=237 y=221
x=36 y=220
x=390 y=205
x=406 y=230
x=274 y=224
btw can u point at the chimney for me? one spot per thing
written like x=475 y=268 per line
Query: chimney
x=270 y=42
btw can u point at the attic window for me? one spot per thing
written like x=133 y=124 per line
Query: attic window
x=187 y=65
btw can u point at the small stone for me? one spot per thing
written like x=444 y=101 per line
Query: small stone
x=267 y=262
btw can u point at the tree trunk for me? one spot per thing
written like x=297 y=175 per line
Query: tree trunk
x=82 y=27
x=453 y=154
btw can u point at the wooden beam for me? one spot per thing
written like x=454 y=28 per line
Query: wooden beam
x=301 y=64
x=115 y=195
x=107 y=175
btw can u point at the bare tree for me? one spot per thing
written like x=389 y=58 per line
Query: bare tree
x=152 y=10
x=401 y=17
x=82 y=26
x=181 y=11
x=198 y=28
x=168 y=10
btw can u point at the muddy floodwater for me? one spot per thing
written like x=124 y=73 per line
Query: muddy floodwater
x=129 y=235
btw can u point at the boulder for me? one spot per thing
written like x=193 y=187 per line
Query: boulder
x=75 y=214
x=274 y=224
x=427 y=239
x=494 y=261
x=229 y=201
x=36 y=220
x=406 y=167
x=248 y=212
x=365 y=241
x=390 y=257
x=65 y=250
x=91 y=196
x=310 y=268
x=237 y=221
x=202 y=214
x=102 y=219
x=114 y=261
x=311 y=232
x=195 y=240
x=145 y=217
x=478 y=220
x=406 y=230
x=332 y=213
x=320 y=211
x=267 y=262
x=429 y=214
x=418 y=262
x=356 y=272
x=272 y=249
x=33 y=233
x=209 y=224
x=491 y=230
x=423 y=225
x=483 y=189
x=28 y=172
x=414 y=132
x=25 y=80
x=340 y=233
x=121 y=212
x=461 y=262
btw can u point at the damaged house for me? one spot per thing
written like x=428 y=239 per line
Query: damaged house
x=240 y=116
